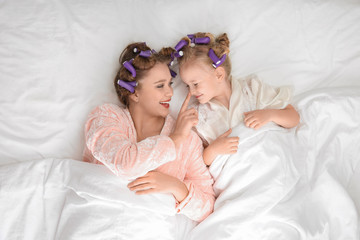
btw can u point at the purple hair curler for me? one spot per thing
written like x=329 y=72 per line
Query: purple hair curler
x=127 y=85
x=180 y=45
x=128 y=65
x=146 y=53
x=216 y=61
x=203 y=40
x=173 y=73
x=179 y=54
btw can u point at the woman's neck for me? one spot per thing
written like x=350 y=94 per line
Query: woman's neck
x=146 y=125
x=224 y=93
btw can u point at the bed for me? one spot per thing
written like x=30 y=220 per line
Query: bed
x=57 y=62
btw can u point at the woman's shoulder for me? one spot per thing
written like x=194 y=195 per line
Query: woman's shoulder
x=110 y=110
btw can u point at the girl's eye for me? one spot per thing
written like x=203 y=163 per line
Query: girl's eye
x=160 y=86
x=195 y=84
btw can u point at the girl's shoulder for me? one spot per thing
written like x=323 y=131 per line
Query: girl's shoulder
x=251 y=81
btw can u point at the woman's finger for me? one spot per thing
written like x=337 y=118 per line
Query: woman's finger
x=185 y=103
x=141 y=187
x=138 y=181
x=147 y=191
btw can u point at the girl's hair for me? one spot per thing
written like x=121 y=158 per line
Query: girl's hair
x=220 y=46
x=141 y=65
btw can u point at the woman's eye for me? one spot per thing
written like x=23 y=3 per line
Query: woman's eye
x=171 y=83
x=187 y=86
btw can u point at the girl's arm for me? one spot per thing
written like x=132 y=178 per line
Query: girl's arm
x=287 y=117
x=222 y=145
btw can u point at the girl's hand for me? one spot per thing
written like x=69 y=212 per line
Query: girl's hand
x=186 y=119
x=222 y=145
x=258 y=118
x=157 y=182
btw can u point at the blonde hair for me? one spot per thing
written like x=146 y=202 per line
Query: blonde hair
x=220 y=46
x=141 y=64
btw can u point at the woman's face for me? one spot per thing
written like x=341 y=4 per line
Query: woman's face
x=155 y=91
x=200 y=79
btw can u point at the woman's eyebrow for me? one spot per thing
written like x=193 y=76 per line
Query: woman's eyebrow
x=162 y=80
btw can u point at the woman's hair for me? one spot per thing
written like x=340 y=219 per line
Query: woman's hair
x=141 y=64
x=220 y=45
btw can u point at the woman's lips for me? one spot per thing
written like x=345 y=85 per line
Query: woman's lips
x=165 y=104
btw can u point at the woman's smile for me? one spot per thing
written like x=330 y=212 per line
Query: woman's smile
x=166 y=103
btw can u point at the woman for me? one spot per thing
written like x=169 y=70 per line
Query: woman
x=142 y=141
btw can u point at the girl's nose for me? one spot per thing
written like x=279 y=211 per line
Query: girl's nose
x=192 y=91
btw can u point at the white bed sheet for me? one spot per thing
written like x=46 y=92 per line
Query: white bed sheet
x=58 y=59
x=292 y=184
x=68 y=199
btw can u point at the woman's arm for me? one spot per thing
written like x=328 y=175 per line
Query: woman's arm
x=199 y=203
x=158 y=182
x=107 y=137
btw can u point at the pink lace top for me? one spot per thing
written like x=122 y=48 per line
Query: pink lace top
x=110 y=138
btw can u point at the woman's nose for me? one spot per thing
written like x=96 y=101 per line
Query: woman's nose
x=169 y=92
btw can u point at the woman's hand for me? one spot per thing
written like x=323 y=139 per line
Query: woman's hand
x=258 y=118
x=157 y=182
x=222 y=145
x=186 y=119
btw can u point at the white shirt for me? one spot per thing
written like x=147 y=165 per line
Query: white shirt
x=248 y=94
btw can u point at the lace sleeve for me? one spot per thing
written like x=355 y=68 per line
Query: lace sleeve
x=108 y=139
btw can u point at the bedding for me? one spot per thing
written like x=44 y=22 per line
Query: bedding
x=69 y=199
x=291 y=184
x=57 y=62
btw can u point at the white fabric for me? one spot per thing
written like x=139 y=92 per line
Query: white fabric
x=57 y=62
x=247 y=94
x=292 y=184
x=68 y=199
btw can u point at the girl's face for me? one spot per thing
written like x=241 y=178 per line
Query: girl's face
x=200 y=79
x=155 y=91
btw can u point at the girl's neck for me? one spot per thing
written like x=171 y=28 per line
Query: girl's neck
x=146 y=125
x=224 y=93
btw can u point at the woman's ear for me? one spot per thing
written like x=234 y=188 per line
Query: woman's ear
x=220 y=73
x=134 y=96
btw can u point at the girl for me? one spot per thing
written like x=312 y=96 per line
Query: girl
x=141 y=141
x=224 y=102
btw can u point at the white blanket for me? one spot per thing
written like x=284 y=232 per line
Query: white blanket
x=67 y=199
x=292 y=184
